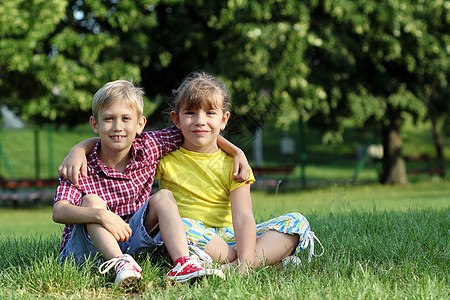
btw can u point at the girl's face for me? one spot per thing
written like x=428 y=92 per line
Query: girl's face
x=200 y=127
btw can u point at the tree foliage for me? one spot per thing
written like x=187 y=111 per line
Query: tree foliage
x=52 y=59
x=320 y=62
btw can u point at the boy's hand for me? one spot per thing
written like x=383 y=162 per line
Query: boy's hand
x=72 y=164
x=116 y=226
x=241 y=169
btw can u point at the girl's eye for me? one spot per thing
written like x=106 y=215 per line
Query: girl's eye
x=126 y=118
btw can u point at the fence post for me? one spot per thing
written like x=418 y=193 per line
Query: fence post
x=37 y=166
x=302 y=152
x=50 y=150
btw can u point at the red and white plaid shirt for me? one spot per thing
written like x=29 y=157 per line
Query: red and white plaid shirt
x=124 y=193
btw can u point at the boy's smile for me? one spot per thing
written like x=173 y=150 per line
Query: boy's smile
x=117 y=126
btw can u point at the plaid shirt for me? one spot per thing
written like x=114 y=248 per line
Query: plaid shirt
x=124 y=193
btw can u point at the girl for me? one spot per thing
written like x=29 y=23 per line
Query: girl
x=217 y=211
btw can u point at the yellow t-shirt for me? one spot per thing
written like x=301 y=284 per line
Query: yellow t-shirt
x=201 y=184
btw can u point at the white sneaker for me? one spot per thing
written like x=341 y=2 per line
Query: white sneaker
x=205 y=261
x=202 y=256
x=127 y=270
x=291 y=261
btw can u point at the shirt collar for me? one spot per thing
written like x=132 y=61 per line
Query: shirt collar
x=94 y=162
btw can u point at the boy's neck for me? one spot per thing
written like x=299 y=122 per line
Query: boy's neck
x=118 y=161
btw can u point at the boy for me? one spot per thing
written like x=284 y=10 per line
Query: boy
x=108 y=211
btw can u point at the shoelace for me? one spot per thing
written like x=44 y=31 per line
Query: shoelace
x=200 y=255
x=309 y=239
x=123 y=260
x=194 y=261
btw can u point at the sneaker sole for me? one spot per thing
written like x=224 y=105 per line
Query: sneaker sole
x=183 y=278
x=127 y=282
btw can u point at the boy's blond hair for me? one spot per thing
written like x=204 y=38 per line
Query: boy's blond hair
x=119 y=90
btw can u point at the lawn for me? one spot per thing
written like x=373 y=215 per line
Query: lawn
x=380 y=242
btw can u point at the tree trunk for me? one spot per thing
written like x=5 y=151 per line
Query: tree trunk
x=394 y=169
x=437 y=140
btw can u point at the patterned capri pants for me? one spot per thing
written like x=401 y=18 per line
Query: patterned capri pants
x=292 y=223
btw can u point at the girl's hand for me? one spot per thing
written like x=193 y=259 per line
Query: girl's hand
x=241 y=268
x=76 y=161
x=241 y=169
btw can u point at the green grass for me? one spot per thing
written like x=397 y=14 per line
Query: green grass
x=33 y=222
x=369 y=255
x=349 y=198
x=319 y=201
x=381 y=242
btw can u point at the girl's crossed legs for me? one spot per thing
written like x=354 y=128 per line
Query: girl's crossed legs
x=277 y=238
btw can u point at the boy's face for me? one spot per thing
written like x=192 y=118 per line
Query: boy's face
x=117 y=126
x=200 y=127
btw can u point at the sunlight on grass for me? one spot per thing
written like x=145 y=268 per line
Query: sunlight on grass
x=33 y=222
x=318 y=201
x=345 y=199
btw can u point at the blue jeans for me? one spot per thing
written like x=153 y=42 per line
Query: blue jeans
x=81 y=248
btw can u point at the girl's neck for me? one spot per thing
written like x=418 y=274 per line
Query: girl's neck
x=209 y=148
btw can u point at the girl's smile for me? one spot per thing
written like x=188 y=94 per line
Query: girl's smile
x=201 y=127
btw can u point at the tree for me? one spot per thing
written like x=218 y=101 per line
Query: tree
x=379 y=59
x=53 y=56
x=319 y=62
x=325 y=61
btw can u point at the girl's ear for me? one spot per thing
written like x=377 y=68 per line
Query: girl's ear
x=141 y=124
x=94 y=124
x=175 y=118
x=225 y=118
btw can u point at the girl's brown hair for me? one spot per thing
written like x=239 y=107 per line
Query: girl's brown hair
x=199 y=89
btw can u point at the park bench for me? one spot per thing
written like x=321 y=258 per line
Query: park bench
x=285 y=170
x=431 y=167
x=264 y=182
x=16 y=190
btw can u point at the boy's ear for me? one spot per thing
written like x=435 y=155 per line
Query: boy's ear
x=175 y=118
x=141 y=124
x=226 y=117
x=94 y=124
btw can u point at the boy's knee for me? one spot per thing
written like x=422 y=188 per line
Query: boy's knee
x=92 y=200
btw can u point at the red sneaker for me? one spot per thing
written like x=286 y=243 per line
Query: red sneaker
x=187 y=268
